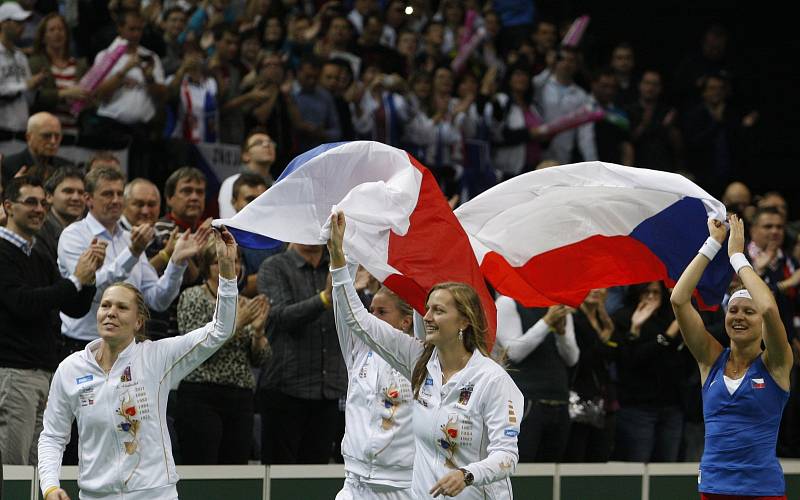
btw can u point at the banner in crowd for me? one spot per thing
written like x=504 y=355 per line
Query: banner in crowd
x=399 y=225
x=550 y=236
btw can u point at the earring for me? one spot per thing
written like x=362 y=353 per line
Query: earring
x=461 y=335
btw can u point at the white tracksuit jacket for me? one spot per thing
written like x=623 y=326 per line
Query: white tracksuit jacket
x=124 y=446
x=470 y=422
x=378 y=442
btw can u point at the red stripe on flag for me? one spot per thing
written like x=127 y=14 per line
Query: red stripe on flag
x=434 y=250
x=565 y=275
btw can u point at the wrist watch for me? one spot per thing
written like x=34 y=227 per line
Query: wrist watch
x=468 y=477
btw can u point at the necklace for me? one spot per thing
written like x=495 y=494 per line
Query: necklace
x=208 y=287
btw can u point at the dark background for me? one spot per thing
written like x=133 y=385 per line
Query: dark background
x=762 y=48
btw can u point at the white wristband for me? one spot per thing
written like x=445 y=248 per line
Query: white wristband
x=738 y=261
x=710 y=248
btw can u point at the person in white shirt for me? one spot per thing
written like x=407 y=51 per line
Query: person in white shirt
x=540 y=346
x=558 y=95
x=125 y=258
x=468 y=410
x=117 y=391
x=378 y=444
x=258 y=156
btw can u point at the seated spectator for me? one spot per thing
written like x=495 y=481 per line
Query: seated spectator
x=395 y=20
x=214 y=418
x=540 y=346
x=258 y=156
x=656 y=138
x=558 y=95
x=17 y=85
x=738 y=199
x=39 y=158
x=51 y=54
x=407 y=45
x=653 y=366
x=358 y=16
x=545 y=39
x=591 y=436
x=32 y=291
x=65 y=195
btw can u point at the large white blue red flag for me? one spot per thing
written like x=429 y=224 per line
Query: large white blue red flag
x=399 y=225
x=549 y=236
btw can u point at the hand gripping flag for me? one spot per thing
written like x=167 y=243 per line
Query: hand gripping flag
x=399 y=225
x=548 y=237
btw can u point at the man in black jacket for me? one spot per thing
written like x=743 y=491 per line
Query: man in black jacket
x=32 y=287
x=43 y=136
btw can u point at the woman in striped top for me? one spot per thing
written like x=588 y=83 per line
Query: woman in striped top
x=60 y=87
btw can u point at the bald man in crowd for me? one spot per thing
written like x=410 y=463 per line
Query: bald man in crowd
x=43 y=136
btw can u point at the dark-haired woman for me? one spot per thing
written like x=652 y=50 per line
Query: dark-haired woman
x=60 y=87
x=117 y=391
x=652 y=365
x=467 y=409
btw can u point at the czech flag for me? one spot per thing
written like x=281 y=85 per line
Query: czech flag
x=548 y=237
x=399 y=225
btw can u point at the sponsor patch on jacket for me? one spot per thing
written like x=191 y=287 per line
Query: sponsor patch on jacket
x=428 y=381
x=85 y=378
x=126 y=374
x=86 y=396
x=757 y=383
x=511 y=433
x=465 y=394
x=512 y=416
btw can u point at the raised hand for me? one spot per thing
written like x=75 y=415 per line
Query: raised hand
x=262 y=314
x=141 y=236
x=227 y=251
x=647 y=306
x=736 y=239
x=717 y=230
x=86 y=266
x=336 y=241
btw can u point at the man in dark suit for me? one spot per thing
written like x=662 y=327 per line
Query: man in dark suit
x=39 y=158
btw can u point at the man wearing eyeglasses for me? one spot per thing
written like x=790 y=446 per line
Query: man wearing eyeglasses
x=258 y=156
x=32 y=289
x=43 y=136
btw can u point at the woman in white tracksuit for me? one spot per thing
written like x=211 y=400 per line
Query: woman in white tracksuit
x=467 y=409
x=117 y=391
x=378 y=444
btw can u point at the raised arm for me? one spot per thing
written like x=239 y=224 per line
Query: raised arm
x=778 y=353
x=177 y=356
x=399 y=350
x=703 y=346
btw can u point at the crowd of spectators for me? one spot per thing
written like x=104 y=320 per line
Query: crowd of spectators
x=470 y=88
